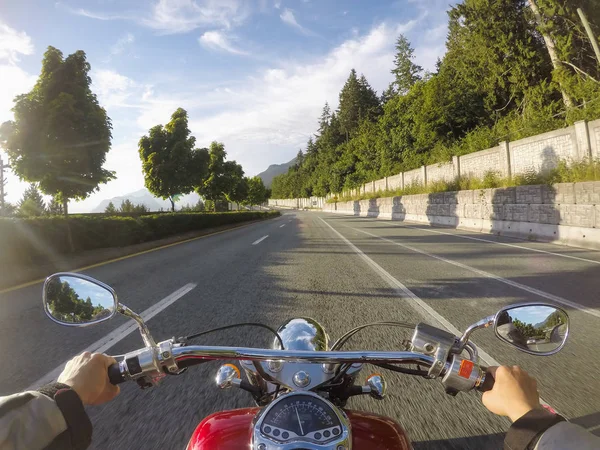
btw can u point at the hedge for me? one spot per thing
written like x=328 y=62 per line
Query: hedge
x=36 y=239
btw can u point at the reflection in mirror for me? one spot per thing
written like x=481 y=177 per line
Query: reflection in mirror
x=538 y=329
x=73 y=300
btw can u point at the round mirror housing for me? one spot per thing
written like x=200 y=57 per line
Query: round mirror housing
x=77 y=300
x=535 y=328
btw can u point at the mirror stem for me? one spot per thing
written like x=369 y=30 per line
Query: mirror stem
x=483 y=323
x=144 y=331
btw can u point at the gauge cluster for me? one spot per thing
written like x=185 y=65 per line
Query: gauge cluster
x=301 y=417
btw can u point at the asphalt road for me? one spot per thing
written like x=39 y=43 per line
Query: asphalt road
x=305 y=268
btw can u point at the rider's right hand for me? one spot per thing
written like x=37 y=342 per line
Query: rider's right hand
x=87 y=375
x=514 y=393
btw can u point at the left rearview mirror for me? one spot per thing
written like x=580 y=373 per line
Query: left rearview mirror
x=77 y=300
x=538 y=329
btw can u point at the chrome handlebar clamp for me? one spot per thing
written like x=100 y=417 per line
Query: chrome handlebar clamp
x=434 y=342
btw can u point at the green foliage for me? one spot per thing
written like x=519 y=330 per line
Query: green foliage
x=128 y=207
x=60 y=135
x=55 y=207
x=66 y=305
x=257 y=193
x=198 y=207
x=405 y=71
x=110 y=209
x=31 y=240
x=32 y=203
x=171 y=163
x=495 y=83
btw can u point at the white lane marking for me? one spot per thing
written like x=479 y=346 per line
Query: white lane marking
x=404 y=292
x=118 y=334
x=523 y=287
x=258 y=241
x=281 y=226
x=462 y=236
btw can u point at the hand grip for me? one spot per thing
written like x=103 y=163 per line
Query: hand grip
x=488 y=383
x=114 y=374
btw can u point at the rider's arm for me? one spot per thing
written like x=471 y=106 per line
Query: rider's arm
x=50 y=418
x=515 y=395
x=54 y=416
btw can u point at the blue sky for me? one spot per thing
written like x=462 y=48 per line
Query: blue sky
x=253 y=74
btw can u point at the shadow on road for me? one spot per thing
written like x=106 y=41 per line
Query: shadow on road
x=490 y=442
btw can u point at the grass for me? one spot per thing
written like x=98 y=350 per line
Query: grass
x=574 y=172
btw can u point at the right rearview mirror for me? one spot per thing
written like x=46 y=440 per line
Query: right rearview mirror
x=538 y=329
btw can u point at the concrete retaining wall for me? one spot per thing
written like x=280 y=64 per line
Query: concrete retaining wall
x=567 y=213
x=539 y=153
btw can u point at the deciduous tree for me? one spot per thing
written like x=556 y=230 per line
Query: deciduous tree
x=171 y=163
x=60 y=135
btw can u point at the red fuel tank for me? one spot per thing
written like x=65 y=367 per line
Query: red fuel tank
x=232 y=430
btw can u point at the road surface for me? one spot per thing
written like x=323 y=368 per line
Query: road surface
x=342 y=271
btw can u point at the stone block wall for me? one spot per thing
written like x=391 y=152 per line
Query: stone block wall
x=477 y=164
x=413 y=177
x=395 y=182
x=380 y=185
x=567 y=213
x=440 y=172
x=594 y=132
x=543 y=152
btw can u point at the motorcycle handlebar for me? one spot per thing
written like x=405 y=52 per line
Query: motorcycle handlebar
x=114 y=374
x=299 y=356
x=488 y=382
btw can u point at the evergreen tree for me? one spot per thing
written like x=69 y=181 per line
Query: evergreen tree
x=55 y=207
x=110 y=209
x=405 y=71
x=32 y=203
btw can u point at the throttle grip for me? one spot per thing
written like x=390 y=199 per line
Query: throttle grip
x=114 y=374
x=488 y=382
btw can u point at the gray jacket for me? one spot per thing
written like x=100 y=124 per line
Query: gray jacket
x=51 y=418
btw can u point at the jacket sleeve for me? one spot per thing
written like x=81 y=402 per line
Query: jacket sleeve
x=565 y=435
x=51 y=418
x=540 y=429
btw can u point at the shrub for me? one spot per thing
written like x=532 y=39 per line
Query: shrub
x=37 y=239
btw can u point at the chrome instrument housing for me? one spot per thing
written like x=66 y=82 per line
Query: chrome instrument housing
x=261 y=441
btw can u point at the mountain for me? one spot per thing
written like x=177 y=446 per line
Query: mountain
x=143 y=196
x=273 y=170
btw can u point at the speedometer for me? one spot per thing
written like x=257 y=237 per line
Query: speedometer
x=301 y=416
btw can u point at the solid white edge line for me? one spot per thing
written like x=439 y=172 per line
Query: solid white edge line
x=506 y=244
x=523 y=287
x=258 y=241
x=118 y=334
x=402 y=289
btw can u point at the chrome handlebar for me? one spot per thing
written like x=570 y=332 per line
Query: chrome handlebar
x=299 y=356
x=147 y=366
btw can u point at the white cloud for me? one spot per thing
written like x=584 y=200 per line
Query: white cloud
x=181 y=16
x=112 y=88
x=13 y=43
x=267 y=119
x=15 y=81
x=122 y=44
x=287 y=16
x=218 y=40
x=178 y=16
x=277 y=4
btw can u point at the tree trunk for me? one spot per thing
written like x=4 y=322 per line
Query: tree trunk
x=556 y=63
x=65 y=204
x=172 y=204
